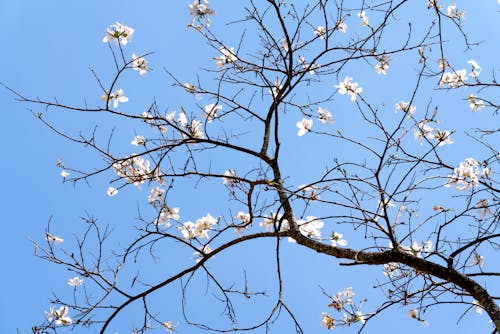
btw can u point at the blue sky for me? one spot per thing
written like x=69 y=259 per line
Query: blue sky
x=48 y=50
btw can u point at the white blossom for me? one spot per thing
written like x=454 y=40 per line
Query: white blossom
x=229 y=178
x=324 y=115
x=116 y=97
x=364 y=18
x=406 y=107
x=227 y=56
x=138 y=141
x=64 y=174
x=348 y=87
x=467 y=174
x=200 y=10
x=336 y=239
x=453 y=12
x=53 y=238
x=118 y=33
x=60 y=317
x=476 y=69
x=140 y=64
x=342 y=27
x=75 y=281
x=475 y=104
x=382 y=65
x=454 y=79
x=155 y=195
x=320 y=31
x=166 y=214
x=112 y=191
x=304 y=126
x=211 y=111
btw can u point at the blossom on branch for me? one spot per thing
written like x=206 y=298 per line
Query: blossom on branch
x=467 y=174
x=75 y=281
x=60 y=317
x=475 y=104
x=348 y=87
x=304 y=126
x=118 y=33
x=200 y=10
x=364 y=18
x=320 y=31
x=228 y=56
x=140 y=64
x=116 y=97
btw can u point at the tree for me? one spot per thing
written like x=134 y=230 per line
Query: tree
x=286 y=135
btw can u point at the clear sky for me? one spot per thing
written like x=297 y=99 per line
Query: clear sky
x=48 y=49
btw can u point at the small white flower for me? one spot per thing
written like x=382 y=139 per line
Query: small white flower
x=60 y=316
x=324 y=115
x=320 y=31
x=342 y=27
x=169 y=326
x=190 y=88
x=304 y=126
x=228 y=56
x=116 y=97
x=229 y=178
x=382 y=65
x=406 y=107
x=75 y=281
x=118 y=33
x=64 y=174
x=211 y=111
x=336 y=239
x=348 y=87
x=155 y=194
x=453 y=12
x=140 y=64
x=475 y=104
x=112 y=191
x=476 y=69
x=53 y=238
x=477 y=307
x=244 y=217
x=364 y=18
x=200 y=11
x=138 y=141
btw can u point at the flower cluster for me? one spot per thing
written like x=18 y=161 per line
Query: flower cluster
x=348 y=87
x=454 y=79
x=200 y=10
x=467 y=174
x=311 y=227
x=138 y=141
x=199 y=229
x=134 y=170
x=118 y=33
x=424 y=130
x=60 y=316
x=339 y=303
